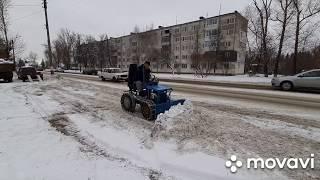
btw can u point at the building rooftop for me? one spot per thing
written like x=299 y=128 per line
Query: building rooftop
x=190 y=22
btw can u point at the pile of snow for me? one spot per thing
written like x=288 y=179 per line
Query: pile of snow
x=165 y=121
x=2 y=61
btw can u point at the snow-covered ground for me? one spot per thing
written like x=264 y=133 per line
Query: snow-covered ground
x=257 y=79
x=76 y=129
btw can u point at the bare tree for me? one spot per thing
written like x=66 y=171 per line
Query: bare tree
x=202 y=63
x=304 y=10
x=148 y=50
x=283 y=16
x=64 y=47
x=18 y=45
x=253 y=39
x=32 y=58
x=4 y=5
x=104 y=51
x=263 y=8
x=196 y=56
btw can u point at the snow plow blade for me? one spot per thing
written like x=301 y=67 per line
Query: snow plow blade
x=161 y=108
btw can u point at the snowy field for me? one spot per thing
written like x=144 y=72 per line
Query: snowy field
x=76 y=129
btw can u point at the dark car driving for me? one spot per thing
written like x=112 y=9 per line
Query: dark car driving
x=31 y=71
x=90 y=71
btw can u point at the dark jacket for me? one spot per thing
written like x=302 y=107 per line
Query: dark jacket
x=143 y=74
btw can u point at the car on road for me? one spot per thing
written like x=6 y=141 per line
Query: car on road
x=60 y=70
x=90 y=71
x=305 y=80
x=26 y=71
x=114 y=74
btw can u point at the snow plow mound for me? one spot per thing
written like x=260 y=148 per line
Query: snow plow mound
x=168 y=120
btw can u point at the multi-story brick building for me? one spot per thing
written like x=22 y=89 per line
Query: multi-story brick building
x=213 y=45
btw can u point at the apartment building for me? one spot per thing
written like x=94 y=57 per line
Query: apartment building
x=214 y=45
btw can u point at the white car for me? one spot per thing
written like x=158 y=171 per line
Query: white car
x=309 y=79
x=114 y=74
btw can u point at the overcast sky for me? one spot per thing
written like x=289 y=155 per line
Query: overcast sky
x=114 y=17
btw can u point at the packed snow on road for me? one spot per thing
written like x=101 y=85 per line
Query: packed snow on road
x=65 y=128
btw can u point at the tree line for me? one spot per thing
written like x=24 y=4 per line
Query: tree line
x=11 y=46
x=283 y=36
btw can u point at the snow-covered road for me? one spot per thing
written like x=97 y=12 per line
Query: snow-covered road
x=305 y=99
x=76 y=129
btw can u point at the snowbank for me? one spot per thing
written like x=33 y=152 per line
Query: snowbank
x=165 y=121
x=258 y=79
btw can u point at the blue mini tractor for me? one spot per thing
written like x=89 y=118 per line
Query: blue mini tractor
x=153 y=99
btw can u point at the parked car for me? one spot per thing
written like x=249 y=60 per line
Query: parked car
x=306 y=80
x=114 y=74
x=25 y=71
x=59 y=69
x=90 y=71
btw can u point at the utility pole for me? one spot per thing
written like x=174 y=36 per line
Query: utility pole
x=13 y=53
x=48 y=32
x=109 y=53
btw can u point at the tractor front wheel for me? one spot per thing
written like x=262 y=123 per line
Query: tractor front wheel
x=148 y=111
x=128 y=102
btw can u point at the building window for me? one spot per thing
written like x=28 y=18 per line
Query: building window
x=177 y=39
x=177 y=31
x=184 y=66
x=193 y=66
x=165 y=39
x=230 y=21
x=176 y=65
x=134 y=43
x=212 y=21
x=230 y=31
x=177 y=57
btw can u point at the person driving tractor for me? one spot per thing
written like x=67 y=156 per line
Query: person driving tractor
x=144 y=75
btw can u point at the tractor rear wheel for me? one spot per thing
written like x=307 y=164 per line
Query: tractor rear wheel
x=148 y=110
x=128 y=103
